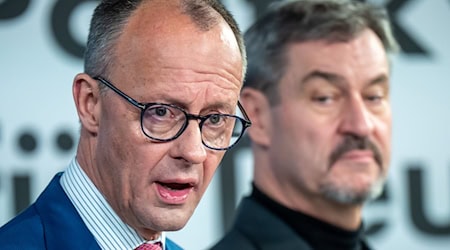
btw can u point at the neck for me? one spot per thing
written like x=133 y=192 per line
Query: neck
x=320 y=234
x=345 y=216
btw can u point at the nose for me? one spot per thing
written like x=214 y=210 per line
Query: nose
x=357 y=119
x=189 y=146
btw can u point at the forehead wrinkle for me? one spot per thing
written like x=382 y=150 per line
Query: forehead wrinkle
x=223 y=76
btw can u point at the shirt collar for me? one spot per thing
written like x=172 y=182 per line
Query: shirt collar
x=107 y=228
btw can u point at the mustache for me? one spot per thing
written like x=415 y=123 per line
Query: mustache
x=354 y=142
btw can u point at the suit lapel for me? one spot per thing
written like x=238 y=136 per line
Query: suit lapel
x=63 y=226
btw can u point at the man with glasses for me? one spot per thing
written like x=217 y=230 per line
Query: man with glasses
x=317 y=92
x=158 y=106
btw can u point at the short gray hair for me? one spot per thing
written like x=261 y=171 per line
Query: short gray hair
x=110 y=17
x=306 y=20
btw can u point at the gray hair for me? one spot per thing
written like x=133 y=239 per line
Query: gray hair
x=110 y=17
x=306 y=20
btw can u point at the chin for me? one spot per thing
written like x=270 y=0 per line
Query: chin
x=351 y=195
x=173 y=227
x=168 y=224
x=165 y=219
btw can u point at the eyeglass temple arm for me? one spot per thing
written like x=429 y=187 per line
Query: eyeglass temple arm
x=129 y=99
x=249 y=123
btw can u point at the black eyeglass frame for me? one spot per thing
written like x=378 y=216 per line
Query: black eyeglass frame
x=246 y=123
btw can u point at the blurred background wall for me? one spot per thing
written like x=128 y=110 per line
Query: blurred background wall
x=41 y=45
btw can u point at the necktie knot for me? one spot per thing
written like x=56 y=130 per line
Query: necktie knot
x=149 y=246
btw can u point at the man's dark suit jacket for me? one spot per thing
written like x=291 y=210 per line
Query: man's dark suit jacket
x=257 y=228
x=51 y=223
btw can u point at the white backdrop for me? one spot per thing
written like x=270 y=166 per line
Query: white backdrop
x=38 y=123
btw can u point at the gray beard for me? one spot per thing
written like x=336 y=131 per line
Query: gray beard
x=349 y=197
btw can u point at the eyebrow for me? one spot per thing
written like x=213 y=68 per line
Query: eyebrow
x=380 y=79
x=339 y=80
x=332 y=78
x=215 y=105
x=221 y=106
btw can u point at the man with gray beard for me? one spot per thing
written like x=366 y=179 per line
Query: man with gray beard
x=317 y=93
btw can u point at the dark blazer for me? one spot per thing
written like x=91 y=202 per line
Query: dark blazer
x=257 y=228
x=52 y=222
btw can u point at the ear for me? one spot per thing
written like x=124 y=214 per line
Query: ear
x=86 y=96
x=257 y=107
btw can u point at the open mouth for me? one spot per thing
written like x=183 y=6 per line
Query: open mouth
x=176 y=186
x=174 y=193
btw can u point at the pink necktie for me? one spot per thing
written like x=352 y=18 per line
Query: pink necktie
x=148 y=246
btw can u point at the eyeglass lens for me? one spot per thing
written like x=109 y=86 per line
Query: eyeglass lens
x=164 y=122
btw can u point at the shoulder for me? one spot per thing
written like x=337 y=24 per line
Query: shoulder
x=27 y=223
x=244 y=232
x=365 y=244
x=234 y=240
x=170 y=245
x=256 y=227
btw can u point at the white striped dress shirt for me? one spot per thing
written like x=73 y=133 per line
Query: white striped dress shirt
x=109 y=230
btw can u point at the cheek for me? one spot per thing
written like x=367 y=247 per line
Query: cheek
x=384 y=134
x=387 y=152
x=124 y=150
x=315 y=137
x=306 y=148
x=319 y=140
x=315 y=148
x=210 y=166
x=148 y=159
x=119 y=133
x=130 y=157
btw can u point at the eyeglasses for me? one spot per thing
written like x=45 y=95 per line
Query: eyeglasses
x=166 y=122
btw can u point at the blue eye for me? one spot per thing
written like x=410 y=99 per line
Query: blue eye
x=214 y=119
x=160 y=111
